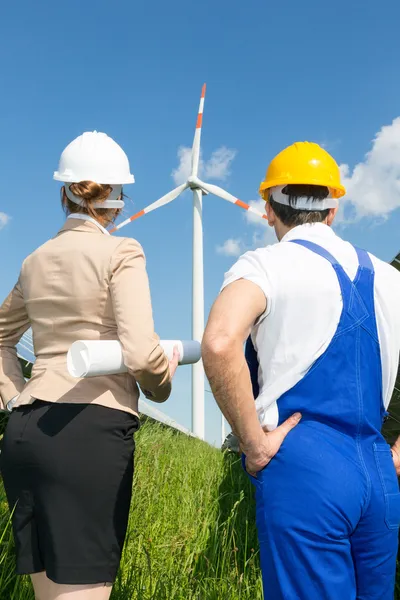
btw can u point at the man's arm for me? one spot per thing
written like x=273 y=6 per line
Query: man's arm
x=231 y=318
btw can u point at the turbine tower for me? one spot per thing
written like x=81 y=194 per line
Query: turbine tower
x=199 y=188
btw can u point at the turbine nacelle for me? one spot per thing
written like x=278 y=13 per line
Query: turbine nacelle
x=194 y=183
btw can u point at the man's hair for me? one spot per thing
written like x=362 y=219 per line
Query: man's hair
x=291 y=217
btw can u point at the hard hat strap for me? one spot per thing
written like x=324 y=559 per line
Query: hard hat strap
x=302 y=202
x=113 y=200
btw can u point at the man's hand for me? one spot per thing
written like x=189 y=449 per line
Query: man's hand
x=264 y=450
x=396 y=457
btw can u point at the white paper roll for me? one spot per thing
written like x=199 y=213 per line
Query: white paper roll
x=89 y=358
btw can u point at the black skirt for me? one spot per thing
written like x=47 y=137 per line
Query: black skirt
x=67 y=471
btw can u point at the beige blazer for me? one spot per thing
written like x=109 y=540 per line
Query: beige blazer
x=83 y=284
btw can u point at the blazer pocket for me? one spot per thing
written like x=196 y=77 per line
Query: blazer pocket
x=390 y=485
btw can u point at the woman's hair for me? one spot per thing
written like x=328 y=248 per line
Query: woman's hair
x=90 y=192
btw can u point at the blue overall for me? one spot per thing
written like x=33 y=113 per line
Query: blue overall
x=328 y=504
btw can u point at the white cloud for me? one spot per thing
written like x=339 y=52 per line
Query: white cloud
x=265 y=234
x=262 y=236
x=4 y=220
x=255 y=219
x=373 y=187
x=182 y=172
x=217 y=167
x=231 y=247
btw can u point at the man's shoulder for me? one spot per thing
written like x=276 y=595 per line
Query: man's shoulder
x=268 y=250
x=385 y=269
x=270 y=254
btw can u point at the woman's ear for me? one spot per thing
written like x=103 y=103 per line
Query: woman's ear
x=63 y=197
x=116 y=214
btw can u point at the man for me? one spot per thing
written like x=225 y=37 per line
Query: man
x=324 y=320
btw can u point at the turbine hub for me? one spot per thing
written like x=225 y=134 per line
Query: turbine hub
x=193 y=182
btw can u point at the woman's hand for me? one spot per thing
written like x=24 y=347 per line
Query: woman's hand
x=173 y=363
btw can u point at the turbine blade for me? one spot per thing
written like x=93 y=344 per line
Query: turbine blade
x=197 y=135
x=217 y=191
x=157 y=204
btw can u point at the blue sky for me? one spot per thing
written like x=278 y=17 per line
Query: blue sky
x=276 y=73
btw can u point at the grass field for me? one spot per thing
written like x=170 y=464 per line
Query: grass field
x=191 y=533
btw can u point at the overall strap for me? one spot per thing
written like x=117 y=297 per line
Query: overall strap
x=364 y=259
x=318 y=250
x=355 y=297
x=365 y=285
x=346 y=285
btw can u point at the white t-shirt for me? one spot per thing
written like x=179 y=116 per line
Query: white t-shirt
x=304 y=305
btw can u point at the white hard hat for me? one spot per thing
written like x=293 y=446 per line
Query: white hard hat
x=93 y=156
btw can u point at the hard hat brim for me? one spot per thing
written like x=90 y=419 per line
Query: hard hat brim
x=110 y=180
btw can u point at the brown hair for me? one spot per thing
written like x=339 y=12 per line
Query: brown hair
x=90 y=192
x=290 y=216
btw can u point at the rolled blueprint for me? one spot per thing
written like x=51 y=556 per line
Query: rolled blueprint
x=104 y=357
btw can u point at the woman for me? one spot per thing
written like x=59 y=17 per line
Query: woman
x=67 y=457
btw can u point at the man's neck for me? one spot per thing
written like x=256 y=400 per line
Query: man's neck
x=281 y=230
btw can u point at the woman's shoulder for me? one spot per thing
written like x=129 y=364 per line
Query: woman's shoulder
x=126 y=251
x=127 y=245
x=106 y=248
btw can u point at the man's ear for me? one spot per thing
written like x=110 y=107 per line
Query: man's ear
x=331 y=216
x=270 y=214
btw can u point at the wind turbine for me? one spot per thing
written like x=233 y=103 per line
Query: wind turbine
x=199 y=188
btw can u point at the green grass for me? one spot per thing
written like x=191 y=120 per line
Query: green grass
x=191 y=533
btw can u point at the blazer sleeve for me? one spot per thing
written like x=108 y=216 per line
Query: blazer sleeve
x=14 y=321
x=130 y=292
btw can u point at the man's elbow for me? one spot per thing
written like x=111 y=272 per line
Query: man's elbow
x=216 y=346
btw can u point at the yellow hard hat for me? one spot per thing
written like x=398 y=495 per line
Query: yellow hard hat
x=303 y=163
